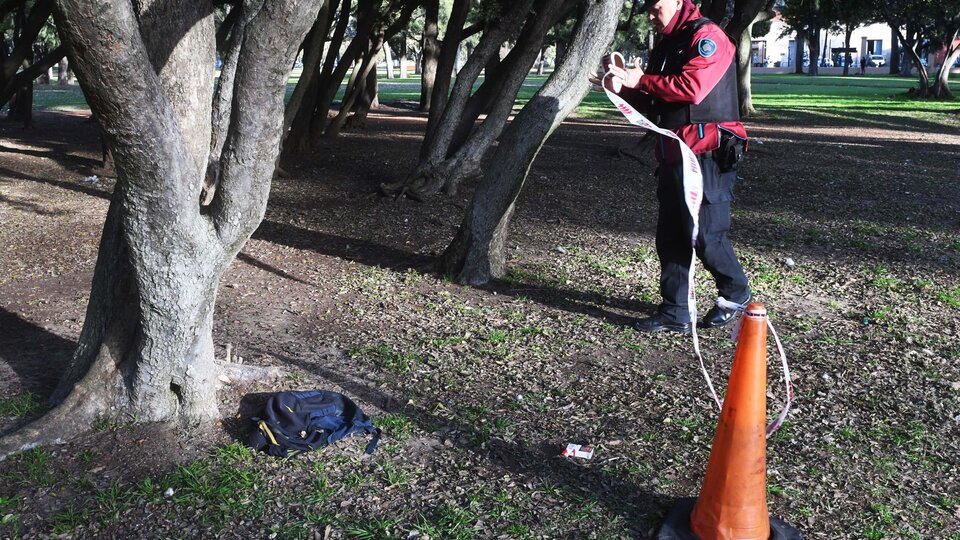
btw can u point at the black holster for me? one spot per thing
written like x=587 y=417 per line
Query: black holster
x=730 y=152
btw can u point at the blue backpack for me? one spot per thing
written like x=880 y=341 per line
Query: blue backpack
x=294 y=422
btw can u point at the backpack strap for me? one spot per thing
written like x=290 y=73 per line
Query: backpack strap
x=372 y=445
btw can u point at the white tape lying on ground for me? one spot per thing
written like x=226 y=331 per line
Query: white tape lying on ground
x=693 y=196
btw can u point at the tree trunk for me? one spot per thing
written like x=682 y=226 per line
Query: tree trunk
x=365 y=101
x=369 y=53
x=318 y=91
x=63 y=77
x=445 y=165
x=814 y=44
x=223 y=97
x=357 y=87
x=312 y=59
x=894 y=53
x=744 y=70
x=146 y=348
x=446 y=65
x=388 y=58
x=846 y=45
x=798 y=54
x=910 y=50
x=941 y=86
x=477 y=252
x=431 y=52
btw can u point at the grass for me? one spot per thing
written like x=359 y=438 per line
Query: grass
x=848 y=98
x=19 y=405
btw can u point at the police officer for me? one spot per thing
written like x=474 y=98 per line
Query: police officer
x=690 y=88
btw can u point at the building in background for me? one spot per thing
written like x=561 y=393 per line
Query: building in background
x=778 y=47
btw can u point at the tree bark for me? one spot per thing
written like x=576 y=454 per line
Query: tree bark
x=894 y=52
x=303 y=115
x=910 y=50
x=388 y=58
x=446 y=65
x=369 y=50
x=941 y=86
x=146 y=349
x=312 y=57
x=813 y=42
x=446 y=163
x=798 y=54
x=744 y=72
x=848 y=31
x=431 y=52
x=746 y=13
x=223 y=96
x=477 y=252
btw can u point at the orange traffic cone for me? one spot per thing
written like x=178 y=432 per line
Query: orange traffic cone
x=732 y=504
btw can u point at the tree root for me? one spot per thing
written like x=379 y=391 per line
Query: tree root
x=237 y=373
x=64 y=422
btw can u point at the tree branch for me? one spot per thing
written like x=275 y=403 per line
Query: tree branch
x=31 y=73
x=270 y=43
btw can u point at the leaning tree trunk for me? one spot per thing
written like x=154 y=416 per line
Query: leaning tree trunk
x=446 y=163
x=477 y=252
x=312 y=58
x=436 y=141
x=923 y=80
x=446 y=64
x=146 y=348
x=431 y=52
x=306 y=118
x=941 y=86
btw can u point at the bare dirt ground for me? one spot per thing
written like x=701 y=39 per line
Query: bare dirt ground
x=479 y=389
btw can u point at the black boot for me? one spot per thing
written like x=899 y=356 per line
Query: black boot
x=721 y=316
x=659 y=322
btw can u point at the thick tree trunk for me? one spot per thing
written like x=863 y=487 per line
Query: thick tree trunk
x=477 y=252
x=744 y=62
x=431 y=52
x=814 y=44
x=146 y=349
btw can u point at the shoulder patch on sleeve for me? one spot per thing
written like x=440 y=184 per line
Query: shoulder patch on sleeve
x=706 y=47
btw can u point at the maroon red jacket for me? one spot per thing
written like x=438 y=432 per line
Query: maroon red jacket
x=707 y=55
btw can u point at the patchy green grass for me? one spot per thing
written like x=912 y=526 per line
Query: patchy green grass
x=20 y=405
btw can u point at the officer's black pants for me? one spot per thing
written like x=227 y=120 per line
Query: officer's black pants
x=674 y=228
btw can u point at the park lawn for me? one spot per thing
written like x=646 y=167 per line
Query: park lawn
x=479 y=389
x=772 y=93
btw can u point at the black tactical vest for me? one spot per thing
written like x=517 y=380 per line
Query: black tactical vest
x=668 y=58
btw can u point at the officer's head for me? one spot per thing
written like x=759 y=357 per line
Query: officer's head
x=661 y=12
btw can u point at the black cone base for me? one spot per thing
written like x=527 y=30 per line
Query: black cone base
x=677 y=525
